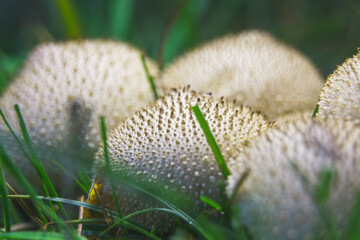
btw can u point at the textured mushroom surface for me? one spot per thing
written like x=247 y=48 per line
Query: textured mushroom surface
x=276 y=202
x=164 y=144
x=62 y=90
x=252 y=67
x=340 y=97
x=283 y=119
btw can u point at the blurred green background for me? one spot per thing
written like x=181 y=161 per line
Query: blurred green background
x=325 y=30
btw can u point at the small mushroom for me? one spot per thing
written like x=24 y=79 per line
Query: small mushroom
x=340 y=96
x=62 y=90
x=164 y=144
x=252 y=67
x=277 y=200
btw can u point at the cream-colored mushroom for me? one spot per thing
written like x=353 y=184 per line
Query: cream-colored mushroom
x=252 y=67
x=275 y=202
x=283 y=119
x=62 y=90
x=340 y=97
x=164 y=144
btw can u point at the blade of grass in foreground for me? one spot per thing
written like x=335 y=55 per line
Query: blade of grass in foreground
x=178 y=211
x=8 y=163
x=149 y=77
x=5 y=201
x=108 y=166
x=120 y=18
x=36 y=235
x=36 y=161
x=320 y=195
x=316 y=109
x=107 y=162
x=211 y=140
x=68 y=13
x=120 y=220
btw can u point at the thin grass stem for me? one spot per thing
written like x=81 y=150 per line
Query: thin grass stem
x=211 y=140
x=5 y=201
x=149 y=77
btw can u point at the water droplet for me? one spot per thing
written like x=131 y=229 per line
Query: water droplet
x=197 y=173
x=212 y=179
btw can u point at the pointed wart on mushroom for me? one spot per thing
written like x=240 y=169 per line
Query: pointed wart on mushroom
x=252 y=67
x=62 y=90
x=275 y=202
x=164 y=144
x=340 y=97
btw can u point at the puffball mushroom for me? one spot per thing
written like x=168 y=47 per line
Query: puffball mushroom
x=252 y=67
x=340 y=96
x=63 y=89
x=275 y=201
x=163 y=144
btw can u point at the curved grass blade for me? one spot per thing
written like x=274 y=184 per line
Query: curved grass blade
x=39 y=205
x=36 y=161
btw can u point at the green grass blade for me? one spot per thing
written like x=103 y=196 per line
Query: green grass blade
x=211 y=140
x=78 y=182
x=22 y=147
x=5 y=201
x=320 y=194
x=178 y=211
x=69 y=17
x=120 y=18
x=211 y=203
x=107 y=163
x=15 y=171
x=149 y=77
x=40 y=207
x=36 y=235
x=353 y=230
x=99 y=209
x=35 y=159
x=316 y=109
x=108 y=166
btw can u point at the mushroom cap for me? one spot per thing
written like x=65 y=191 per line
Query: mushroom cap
x=62 y=90
x=275 y=201
x=340 y=96
x=165 y=145
x=252 y=67
x=283 y=119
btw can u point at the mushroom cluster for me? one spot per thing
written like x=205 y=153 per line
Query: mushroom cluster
x=252 y=67
x=160 y=148
x=62 y=90
x=164 y=143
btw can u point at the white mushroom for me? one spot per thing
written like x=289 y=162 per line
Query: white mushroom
x=275 y=202
x=63 y=89
x=164 y=144
x=252 y=67
x=340 y=97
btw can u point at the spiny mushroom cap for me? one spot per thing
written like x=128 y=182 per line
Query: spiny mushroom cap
x=340 y=96
x=251 y=67
x=63 y=88
x=164 y=143
x=273 y=199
